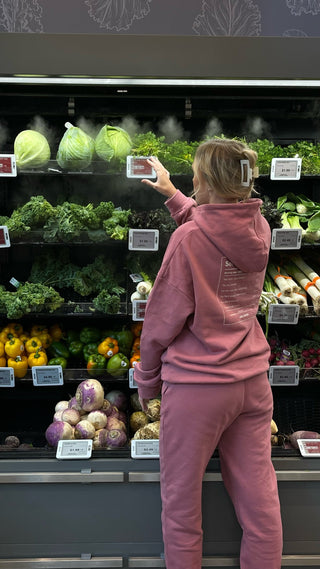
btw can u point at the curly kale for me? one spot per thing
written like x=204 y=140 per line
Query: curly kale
x=117 y=226
x=106 y=302
x=15 y=225
x=55 y=270
x=63 y=226
x=104 y=210
x=95 y=277
x=35 y=212
x=29 y=298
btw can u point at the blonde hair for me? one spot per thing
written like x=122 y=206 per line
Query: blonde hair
x=217 y=161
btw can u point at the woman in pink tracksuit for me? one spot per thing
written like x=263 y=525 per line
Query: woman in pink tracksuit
x=204 y=350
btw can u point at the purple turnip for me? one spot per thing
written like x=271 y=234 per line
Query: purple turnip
x=116 y=438
x=293 y=438
x=73 y=404
x=84 y=430
x=114 y=423
x=90 y=395
x=58 y=415
x=59 y=430
x=118 y=398
x=100 y=439
x=114 y=412
x=106 y=407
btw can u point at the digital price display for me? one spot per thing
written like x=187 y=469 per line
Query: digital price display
x=283 y=313
x=8 y=165
x=284 y=375
x=138 y=310
x=138 y=167
x=132 y=383
x=309 y=447
x=143 y=240
x=145 y=448
x=74 y=449
x=285 y=169
x=286 y=238
x=4 y=236
x=47 y=375
x=6 y=377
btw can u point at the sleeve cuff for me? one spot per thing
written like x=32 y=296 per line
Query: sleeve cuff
x=148 y=382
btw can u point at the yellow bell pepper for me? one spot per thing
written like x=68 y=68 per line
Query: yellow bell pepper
x=1 y=349
x=38 y=358
x=24 y=337
x=55 y=332
x=37 y=329
x=3 y=361
x=6 y=334
x=16 y=327
x=14 y=347
x=19 y=365
x=45 y=339
x=108 y=347
x=33 y=344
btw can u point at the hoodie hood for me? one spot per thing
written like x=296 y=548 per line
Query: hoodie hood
x=238 y=230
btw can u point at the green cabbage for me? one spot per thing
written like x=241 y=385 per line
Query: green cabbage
x=113 y=142
x=75 y=150
x=31 y=149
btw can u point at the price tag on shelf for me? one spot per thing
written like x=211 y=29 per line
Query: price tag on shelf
x=309 y=447
x=284 y=375
x=285 y=169
x=132 y=383
x=71 y=449
x=145 y=448
x=47 y=375
x=138 y=309
x=138 y=167
x=143 y=240
x=286 y=238
x=283 y=313
x=8 y=165
x=6 y=377
x=4 y=236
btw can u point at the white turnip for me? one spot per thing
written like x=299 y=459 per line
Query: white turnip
x=71 y=416
x=61 y=406
x=98 y=419
x=84 y=430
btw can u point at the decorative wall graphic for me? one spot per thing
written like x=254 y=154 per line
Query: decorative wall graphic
x=20 y=16
x=299 y=7
x=228 y=18
x=117 y=14
x=294 y=34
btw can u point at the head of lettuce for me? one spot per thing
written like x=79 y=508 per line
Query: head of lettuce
x=31 y=149
x=113 y=142
x=76 y=149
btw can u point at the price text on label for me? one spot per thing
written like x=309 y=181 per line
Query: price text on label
x=286 y=238
x=47 y=375
x=74 y=449
x=283 y=313
x=145 y=448
x=138 y=309
x=143 y=240
x=284 y=375
x=285 y=169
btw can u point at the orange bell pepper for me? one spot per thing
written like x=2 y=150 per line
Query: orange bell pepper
x=135 y=346
x=108 y=347
x=135 y=359
x=19 y=365
x=38 y=358
x=14 y=347
x=136 y=329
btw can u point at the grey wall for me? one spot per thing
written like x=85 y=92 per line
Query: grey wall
x=282 y=18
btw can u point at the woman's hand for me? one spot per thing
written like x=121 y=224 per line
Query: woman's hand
x=144 y=404
x=163 y=184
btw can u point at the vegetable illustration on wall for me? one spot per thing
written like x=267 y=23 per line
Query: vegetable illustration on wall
x=225 y=18
x=117 y=14
x=299 y=7
x=20 y=16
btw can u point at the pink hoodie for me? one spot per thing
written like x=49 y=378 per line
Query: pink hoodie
x=200 y=324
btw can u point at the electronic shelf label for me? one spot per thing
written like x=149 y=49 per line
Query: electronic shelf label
x=132 y=383
x=138 y=309
x=4 y=236
x=147 y=448
x=138 y=167
x=47 y=375
x=284 y=375
x=74 y=449
x=309 y=448
x=285 y=168
x=143 y=240
x=6 y=377
x=285 y=238
x=283 y=313
x=8 y=165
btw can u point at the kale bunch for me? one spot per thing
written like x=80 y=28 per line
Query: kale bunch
x=154 y=219
x=117 y=226
x=55 y=270
x=29 y=298
x=106 y=302
x=95 y=277
x=35 y=212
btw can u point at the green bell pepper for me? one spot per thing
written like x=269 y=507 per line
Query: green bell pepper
x=72 y=336
x=58 y=362
x=59 y=349
x=96 y=365
x=89 y=349
x=76 y=349
x=90 y=334
x=117 y=365
x=125 y=340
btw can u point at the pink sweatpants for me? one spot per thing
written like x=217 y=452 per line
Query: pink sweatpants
x=195 y=419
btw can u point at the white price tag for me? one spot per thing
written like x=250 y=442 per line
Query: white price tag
x=4 y=236
x=71 y=449
x=284 y=375
x=145 y=448
x=309 y=447
x=138 y=309
x=132 y=383
x=286 y=238
x=285 y=169
x=138 y=167
x=14 y=282
x=6 y=377
x=283 y=313
x=8 y=165
x=143 y=240
x=47 y=375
